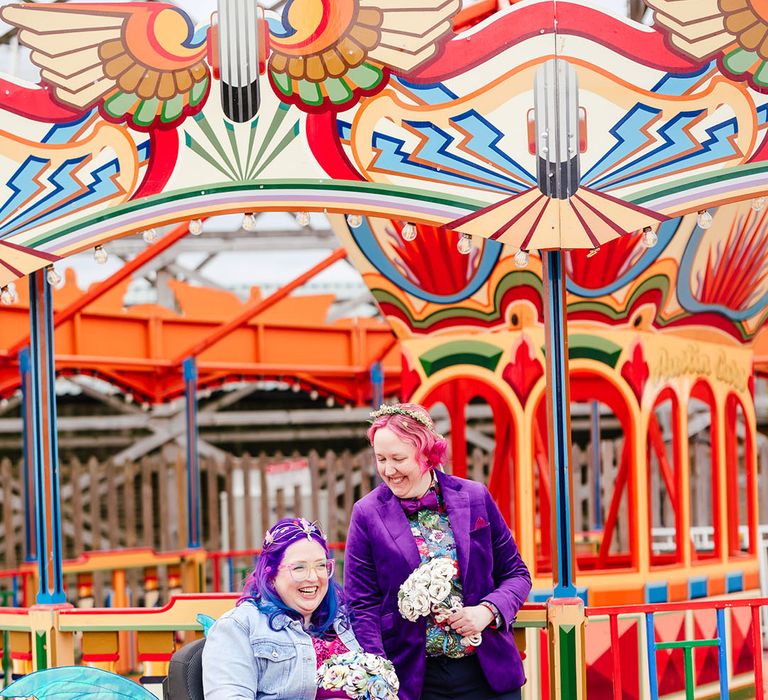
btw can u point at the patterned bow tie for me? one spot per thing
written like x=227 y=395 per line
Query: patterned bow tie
x=413 y=505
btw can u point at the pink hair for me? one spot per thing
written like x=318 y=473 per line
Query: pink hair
x=431 y=448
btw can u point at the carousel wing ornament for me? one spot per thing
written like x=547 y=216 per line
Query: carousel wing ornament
x=559 y=212
x=326 y=53
x=733 y=31
x=140 y=63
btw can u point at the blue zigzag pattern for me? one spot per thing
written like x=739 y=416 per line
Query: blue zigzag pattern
x=25 y=185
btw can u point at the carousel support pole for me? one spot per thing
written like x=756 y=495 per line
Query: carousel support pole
x=50 y=647
x=44 y=443
x=377 y=398
x=377 y=385
x=30 y=545
x=565 y=613
x=193 y=461
x=595 y=429
x=193 y=564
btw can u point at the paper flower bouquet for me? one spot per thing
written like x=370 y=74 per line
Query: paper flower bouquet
x=360 y=675
x=428 y=589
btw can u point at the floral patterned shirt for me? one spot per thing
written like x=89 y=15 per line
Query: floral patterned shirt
x=325 y=649
x=434 y=538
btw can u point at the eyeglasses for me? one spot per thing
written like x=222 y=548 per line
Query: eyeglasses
x=301 y=570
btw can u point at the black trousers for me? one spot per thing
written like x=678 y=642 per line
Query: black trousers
x=451 y=679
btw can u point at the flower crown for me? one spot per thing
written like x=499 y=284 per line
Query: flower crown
x=419 y=416
x=301 y=527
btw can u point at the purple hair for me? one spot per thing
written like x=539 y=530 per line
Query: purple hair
x=259 y=587
x=431 y=448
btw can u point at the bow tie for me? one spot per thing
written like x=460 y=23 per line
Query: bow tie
x=413 y=505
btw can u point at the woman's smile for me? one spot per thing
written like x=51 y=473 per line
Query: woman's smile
x=398 y=467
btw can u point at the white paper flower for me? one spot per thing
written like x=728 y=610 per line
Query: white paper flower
x=360 y=676
x=421 y=602
x=356 y=682
x=443 y=568
x=473 y=641
x=439 y=591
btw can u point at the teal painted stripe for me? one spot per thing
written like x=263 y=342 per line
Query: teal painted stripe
x=685 y=184
x=697 y=587
x=542 y=595
x=281 y=185
x=734 y=582
x=657 y=592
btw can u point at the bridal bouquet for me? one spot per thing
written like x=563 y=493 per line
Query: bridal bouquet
x=428 y=589
x=360 y=675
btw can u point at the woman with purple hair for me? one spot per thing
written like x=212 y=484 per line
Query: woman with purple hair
x=420 y=517
x=287 y=622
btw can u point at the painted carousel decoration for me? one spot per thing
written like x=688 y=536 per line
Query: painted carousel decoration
x=375 y=109
x=550 y=126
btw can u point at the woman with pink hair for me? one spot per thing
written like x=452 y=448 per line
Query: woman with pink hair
x=418 y=514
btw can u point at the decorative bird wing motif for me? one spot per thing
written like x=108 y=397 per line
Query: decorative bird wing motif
x=326 y=53
x=733 y=31
x=140 y=63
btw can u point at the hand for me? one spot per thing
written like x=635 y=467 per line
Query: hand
x=470 y=620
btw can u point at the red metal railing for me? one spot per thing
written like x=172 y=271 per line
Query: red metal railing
x=654 y=647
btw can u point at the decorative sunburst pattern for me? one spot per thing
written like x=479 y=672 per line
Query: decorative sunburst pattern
x=728 y=273
x=244 y=153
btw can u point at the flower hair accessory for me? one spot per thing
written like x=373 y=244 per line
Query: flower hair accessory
x=300 y=527
x=419 y=416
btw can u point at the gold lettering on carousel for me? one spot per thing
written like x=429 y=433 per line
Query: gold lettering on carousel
x=690 y=361
x=729 y=372
x=694 y=361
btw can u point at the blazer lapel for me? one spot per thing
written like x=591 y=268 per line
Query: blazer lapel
x=457 y=505
x=396 y=525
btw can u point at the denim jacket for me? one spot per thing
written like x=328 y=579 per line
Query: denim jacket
x=245 y=659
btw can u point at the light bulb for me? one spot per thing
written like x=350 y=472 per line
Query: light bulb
x=196 y=227
x=100 y=255
x=521 y=258
x=296 y=387
x=758 y=203
x=302 y=218
x=6 y=297
x=465 y=244
x=354 y=220
x=249 y=222
x=650 y=238
x=704 y=219
x=409 y=232
x=14 y=294
x=313 y=395
x=149 y=235
x=53 y=277
x=330 y=402
x=593 y=252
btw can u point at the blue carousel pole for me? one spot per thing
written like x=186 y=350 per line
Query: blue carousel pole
x=557 y=117
x=193 y=461
x=559 y=419
x=44 y=443
x=30 y=543
x=565 y=610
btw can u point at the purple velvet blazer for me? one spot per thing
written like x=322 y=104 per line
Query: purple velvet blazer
x=381 y=553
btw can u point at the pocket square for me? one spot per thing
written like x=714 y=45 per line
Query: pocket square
x=480 y=522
